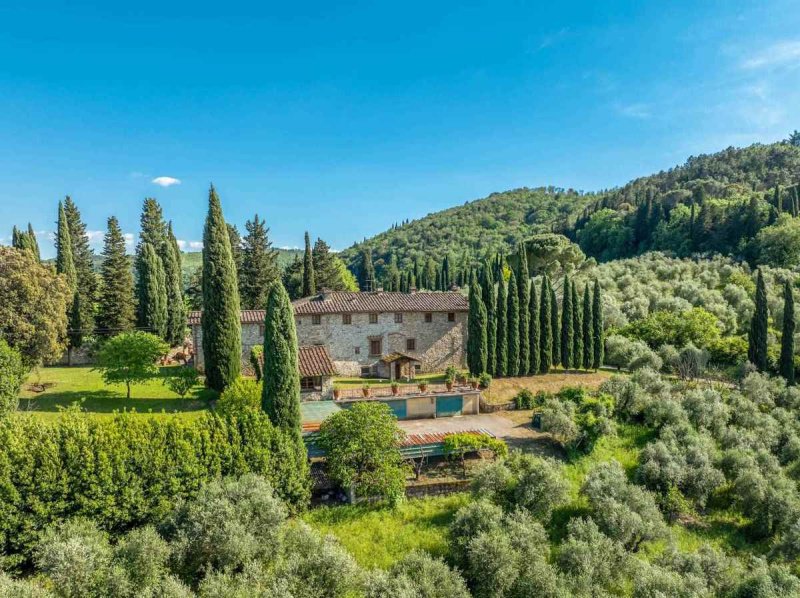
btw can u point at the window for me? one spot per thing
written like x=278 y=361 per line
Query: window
x=375 y=347
x=417 y=367
x=411 y=344
x=311 y=383
x=347 y=319
x=373 y=318
x=366 y=371
x=316 y=319
x=429 y=317
x=357 y=350
x=398 y=318
x=451 y=317
x=297 y=321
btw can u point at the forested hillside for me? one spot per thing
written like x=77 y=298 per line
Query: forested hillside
x=739 y=202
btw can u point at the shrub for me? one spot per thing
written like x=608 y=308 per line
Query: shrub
x=12 y=375
x=130 y=358
x=182 y=379
x=692 y=362
x=241 y=396
x=485 y=380
x=524 y=399
x=257 y=361
x=462 y=443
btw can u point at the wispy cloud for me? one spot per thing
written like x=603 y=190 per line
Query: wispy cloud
x=552 y=39
x=638 y=110
x=784 y=53
x=166 y=181
x=192 y=245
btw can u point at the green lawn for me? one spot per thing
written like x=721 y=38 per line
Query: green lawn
x=431 y=378
x=378 y=536
x=64 y=386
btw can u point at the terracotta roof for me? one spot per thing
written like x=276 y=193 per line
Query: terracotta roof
x=391 y=357
x=248 y=316
x=315 y=361
x=381 y=301
x=436 y=437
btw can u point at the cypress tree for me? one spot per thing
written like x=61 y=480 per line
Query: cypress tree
x=83 y=259
x=533 y=332
x=366 y=272
x=477 y=332
x=309 y=282
x=588 y=337
x=221 y=319
x=545 y=328
x=173 y=276
x=501 y=351
x=152 y=230
x=555 y=323
x=236 y=248
x=16 y=238
x=757 y=346
x=598 y=334
x=66 y=267
x=34 y=243
x=512 y=315
x=577 y=328
x=116 y=310
x=567 y=331
x=524 y=292
x=259 y=265
x=787 y=338
x=154 y=292
x=280 y=397
x=490 y=303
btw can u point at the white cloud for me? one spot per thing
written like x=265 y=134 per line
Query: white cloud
x=95 y=236
x=190 y=245
x=638 y=110
x=785 y=53
x=166 y=181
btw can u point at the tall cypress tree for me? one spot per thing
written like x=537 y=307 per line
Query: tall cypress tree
x=154 y=292
x=757 y=346
x=280 y=397
x=66 y=267
x=173 y=276
x=221 y=319
x=555 y=323
x=524 y=292
x=533 y=332
x=577 y=328
x=309 y=282
x=236 y=248
x=366 y=272
x=545 y=328
x=152 y=230
x=259 y=265
x=501 y=351
x=588 y=337
x=116 y=310
x=566 y=325
x=83 y=259
x=598 y=334
x=34 y=243
x=787 y=337
x=512 y=329
x=477 y=334
x=490 y=302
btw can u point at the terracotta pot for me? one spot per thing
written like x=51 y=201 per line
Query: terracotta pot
x=449 y=385
x=423 y=387
x=474 y=385
x=365 y=391
x=337 y=393
x=395 y=390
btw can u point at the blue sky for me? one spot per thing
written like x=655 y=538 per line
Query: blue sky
x=343 y=117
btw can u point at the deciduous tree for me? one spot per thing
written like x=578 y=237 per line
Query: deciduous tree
x=130 y=358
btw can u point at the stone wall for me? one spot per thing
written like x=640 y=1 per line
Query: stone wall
x=252 y=335
x=439 y=343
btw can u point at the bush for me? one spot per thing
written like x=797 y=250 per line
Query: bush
x=182 y=379
x=242 y=396
x=130 y=358
x=12 y=375
x=485 y=380
x=524 y=399
x=257 y=361
x=692 y=362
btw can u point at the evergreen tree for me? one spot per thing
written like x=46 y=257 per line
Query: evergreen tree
x=309 y=282
x=116 y=310
x=778 y=199
x=366 y=273
x=757 y=345
x=567 y=330
x=153 y=231
x=154 y=292
x=490 y=303
x=293 y=278
x=787 y=337
x=391 y=275
x=33 y=242
x=588 y=337
x=598 y=334
x=545 y=328
x=445 y=280
x=175 y=332
x=501 y=350
x=512 y=315
x=280 y=397
x=524 y=293
x=477 y=332
x=83 y=259
x=66 y=267
x=259 y=265
x=533 y=332
x=221 y=319
x=577 y=328
x=236 y=247
x=326 y=269
x=555 y=323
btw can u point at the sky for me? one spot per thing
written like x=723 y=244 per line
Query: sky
x=342 y=118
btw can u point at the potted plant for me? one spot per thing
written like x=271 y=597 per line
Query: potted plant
x=395 y=388
x=366 y=390
x=337 y=392
x=473 y=382
x=484 y=380
x=448 y=382
x=423 y=386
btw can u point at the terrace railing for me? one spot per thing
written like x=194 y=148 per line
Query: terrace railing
x=385 y=390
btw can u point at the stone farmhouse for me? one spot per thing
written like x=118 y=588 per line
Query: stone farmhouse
x=372 y=334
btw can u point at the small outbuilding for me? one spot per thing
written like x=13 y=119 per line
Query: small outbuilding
x=316 y=373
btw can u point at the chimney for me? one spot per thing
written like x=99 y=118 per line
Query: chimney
x=412 y=290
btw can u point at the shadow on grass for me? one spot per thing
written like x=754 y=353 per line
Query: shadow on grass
x=107 y=401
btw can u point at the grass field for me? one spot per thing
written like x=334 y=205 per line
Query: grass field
x=503 y=390
x=65 y=386
x=378 y=536
x=434 y=378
